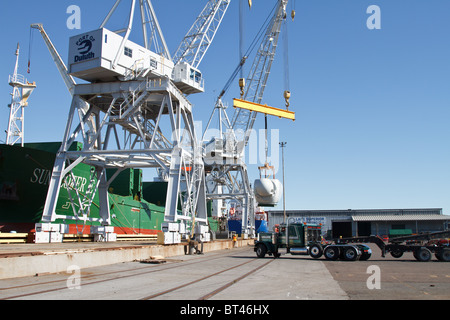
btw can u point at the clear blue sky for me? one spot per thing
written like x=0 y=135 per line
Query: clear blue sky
x=372 y=106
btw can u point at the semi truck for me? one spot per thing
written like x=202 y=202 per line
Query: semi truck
x=306 y=239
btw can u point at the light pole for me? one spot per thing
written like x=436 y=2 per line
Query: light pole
x=283 y=145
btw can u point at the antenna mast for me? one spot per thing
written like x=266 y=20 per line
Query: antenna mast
x=22 y=90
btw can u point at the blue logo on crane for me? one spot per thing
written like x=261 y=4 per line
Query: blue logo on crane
x=84 y=48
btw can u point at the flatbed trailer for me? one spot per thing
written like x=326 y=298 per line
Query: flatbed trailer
x=421 y=245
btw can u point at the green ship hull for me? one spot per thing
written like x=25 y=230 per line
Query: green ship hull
x=24 y=179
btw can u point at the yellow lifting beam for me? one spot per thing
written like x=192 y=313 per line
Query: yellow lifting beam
x=281 y=113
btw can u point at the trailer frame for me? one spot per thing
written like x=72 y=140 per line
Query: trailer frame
x=419 y=244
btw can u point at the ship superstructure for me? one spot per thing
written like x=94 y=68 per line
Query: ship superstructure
x=22 y=90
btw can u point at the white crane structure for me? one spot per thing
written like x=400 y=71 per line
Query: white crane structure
x=69 y=81
x=22 y=90
x=60 y=65
x=133 y=94
x=227 y=176
x=197 y=41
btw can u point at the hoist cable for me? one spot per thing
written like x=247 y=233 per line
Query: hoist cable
x=286 y=56
x=252 y=47
x=30 y=45
x=241 y=34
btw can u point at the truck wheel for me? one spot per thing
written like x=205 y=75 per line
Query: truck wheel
x=316 y=251
x=443 y=255
x=350 y=254
x=331 y=253
x=261 y=250
x=423 y=254
x=365 y=256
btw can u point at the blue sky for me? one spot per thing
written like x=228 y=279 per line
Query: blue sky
x=372 y=106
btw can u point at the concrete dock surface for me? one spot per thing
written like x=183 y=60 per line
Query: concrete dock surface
x=221 y=273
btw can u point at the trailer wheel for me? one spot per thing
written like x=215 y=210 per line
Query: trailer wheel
x=423 y=254
x=350 y=254
x=397 y=253
x=316 y=251
x=443 y=255
x=331 y=253
x=261 y=250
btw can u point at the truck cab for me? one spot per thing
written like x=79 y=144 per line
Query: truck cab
x=297 y=238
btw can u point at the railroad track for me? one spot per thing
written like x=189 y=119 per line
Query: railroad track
x=35 y=288
x=216 y=291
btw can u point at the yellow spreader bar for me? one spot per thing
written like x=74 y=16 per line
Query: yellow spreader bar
x=281 y=113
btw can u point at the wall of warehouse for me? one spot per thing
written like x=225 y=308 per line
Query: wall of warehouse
x=337 y=223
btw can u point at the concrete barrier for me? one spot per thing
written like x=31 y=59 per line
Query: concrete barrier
x=44 y=262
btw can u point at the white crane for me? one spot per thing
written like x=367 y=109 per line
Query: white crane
x=197 y=41
x=135 y=89
x=227 y=172
x=195 y=44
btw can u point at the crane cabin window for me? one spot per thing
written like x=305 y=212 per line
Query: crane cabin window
x=198 y=77
x=128 y=52
x=195 y=75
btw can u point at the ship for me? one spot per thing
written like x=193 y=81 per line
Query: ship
x=24 y=179
x=136 y=207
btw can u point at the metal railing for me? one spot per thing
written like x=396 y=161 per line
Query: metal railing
x=17 y=78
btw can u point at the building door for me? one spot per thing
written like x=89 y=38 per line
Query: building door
x=364 y=228
x=342 y=229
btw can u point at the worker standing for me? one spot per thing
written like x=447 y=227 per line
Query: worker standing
x=234 y=240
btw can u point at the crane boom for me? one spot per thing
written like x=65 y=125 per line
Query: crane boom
x=227 y=175
x=259 y=73
x=68 y=79
x=197 y=41
x=62 y=68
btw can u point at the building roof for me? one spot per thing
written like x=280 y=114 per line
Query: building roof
x=401 y=217
x=360 y=212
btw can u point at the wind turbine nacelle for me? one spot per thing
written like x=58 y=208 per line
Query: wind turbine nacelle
x=92 y=56
x=268 y=192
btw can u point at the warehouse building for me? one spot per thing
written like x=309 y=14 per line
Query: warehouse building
x=352 y=223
